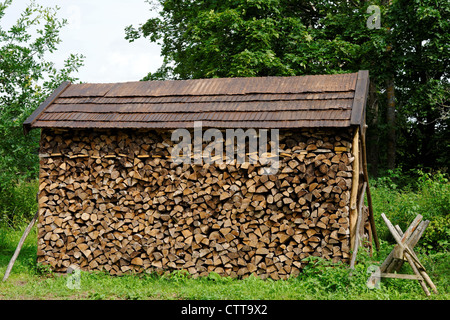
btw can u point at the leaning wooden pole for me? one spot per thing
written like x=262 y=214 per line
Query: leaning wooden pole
x=369 y=196
x=359 y=226
x=354 y=190
x=19 y=246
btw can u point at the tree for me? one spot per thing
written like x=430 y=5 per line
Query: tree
x=420 y=40
x=244 y=38
x=26 y=79
x=235 y=38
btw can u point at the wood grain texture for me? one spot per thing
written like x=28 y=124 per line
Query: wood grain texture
x=113 y=200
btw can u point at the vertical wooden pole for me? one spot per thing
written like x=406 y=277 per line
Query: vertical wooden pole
x=359 y=227
x=354 y=191
x=369 y=195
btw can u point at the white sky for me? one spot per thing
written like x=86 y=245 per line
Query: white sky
x=96 y=29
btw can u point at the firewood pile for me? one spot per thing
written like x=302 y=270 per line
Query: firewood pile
x=114 y=200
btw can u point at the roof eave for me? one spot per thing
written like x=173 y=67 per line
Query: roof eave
x=358 y=116
x=28 y=123
x=360 y=87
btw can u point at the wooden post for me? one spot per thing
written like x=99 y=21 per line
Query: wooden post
x=369 y=195
x=359 y=226
x=354 y=191
x=19 y=246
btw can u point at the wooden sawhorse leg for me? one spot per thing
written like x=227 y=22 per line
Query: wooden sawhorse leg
x=403 y=251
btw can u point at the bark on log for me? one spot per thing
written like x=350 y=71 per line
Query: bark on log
x=115 y=201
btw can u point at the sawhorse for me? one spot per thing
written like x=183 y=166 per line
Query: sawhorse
x=403 y=251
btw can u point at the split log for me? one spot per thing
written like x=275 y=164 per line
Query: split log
x=113 y=200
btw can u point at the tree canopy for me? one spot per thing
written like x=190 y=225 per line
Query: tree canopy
x=246 y=38
x=409 y=52
x=26 y=79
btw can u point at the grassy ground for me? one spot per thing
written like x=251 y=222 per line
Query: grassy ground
x=400 y=196
x=321 y=282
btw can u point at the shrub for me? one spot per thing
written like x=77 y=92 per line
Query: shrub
x=436 y=236
x=403 y=199
x=435 y=191
x=18 y=203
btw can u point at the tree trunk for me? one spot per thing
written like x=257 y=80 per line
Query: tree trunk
x=390 y=119
x=390 y=113
x=373 y=141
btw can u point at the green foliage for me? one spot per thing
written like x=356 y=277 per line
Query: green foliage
x=323 y=275
x=436 y=190
x=18 y=203
x=44 y=270
x=177 y=276
x=401 y=199
x=252 y=38
x=240 y=38
x=420 y=42
x=437 y=235
x=26 y=79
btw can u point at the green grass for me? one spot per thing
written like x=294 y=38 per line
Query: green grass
x=321 y=281
x=400 y=197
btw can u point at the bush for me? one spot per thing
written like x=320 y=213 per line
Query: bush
x=403 y=199
x=18 y=203
x=435 y=190
x=435 y=206
x=437 y=235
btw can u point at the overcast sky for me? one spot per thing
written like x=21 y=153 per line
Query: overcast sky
x=96 y=30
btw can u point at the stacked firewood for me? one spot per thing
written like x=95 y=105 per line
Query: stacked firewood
x=114 y=200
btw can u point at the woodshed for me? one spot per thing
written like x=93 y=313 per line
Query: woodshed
x=111 y=197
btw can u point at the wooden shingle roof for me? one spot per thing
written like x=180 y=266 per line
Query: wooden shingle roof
x=264 y=102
